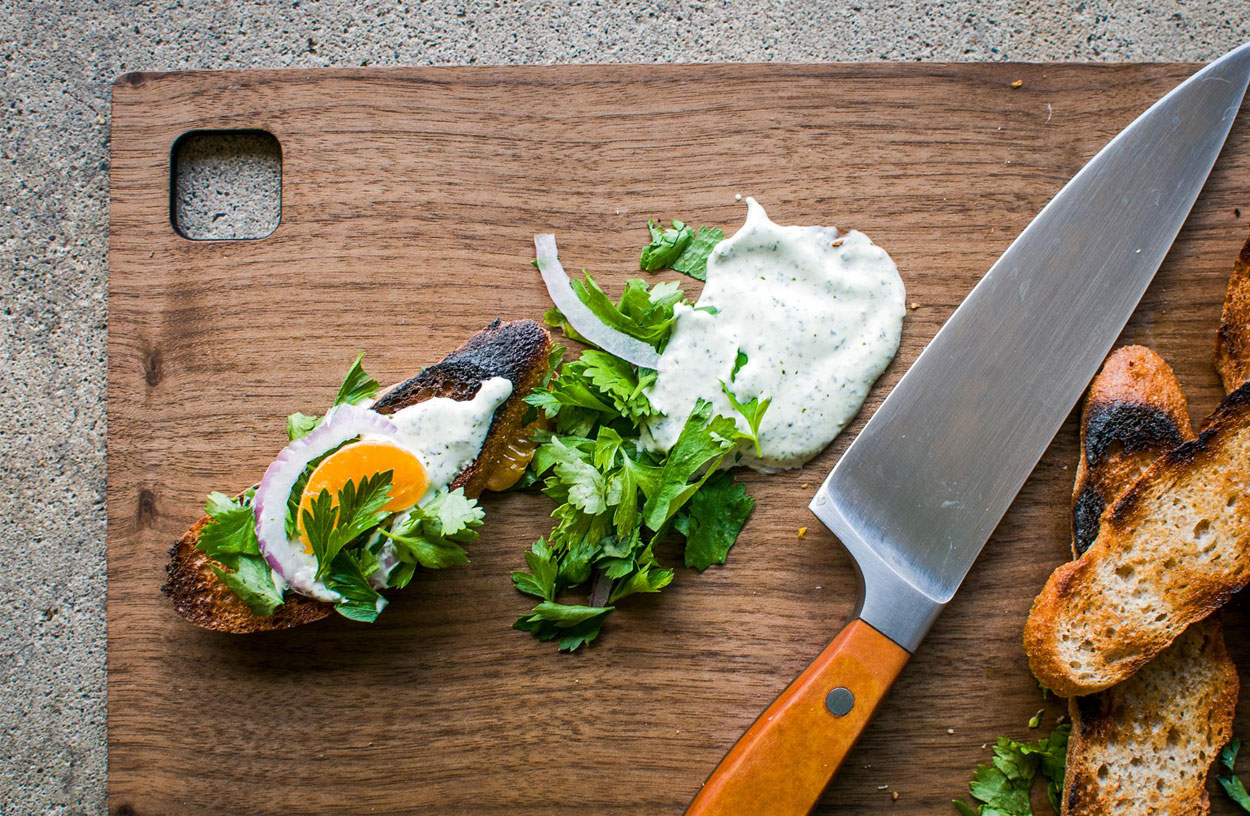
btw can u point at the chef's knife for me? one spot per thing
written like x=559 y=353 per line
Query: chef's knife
x=919 y=492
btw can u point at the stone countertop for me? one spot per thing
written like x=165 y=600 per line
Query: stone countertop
x=58 y=63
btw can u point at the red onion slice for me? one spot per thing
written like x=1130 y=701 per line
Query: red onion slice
x=579 y=315
x=287 y=557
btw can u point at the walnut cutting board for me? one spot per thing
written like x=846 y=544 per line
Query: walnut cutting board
x=408 y=202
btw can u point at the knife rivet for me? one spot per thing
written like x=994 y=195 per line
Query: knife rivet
x=840 y=701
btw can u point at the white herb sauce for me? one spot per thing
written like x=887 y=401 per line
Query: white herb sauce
x=447 y=434
x=818 y=316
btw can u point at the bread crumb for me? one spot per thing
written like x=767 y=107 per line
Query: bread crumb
x=915 y=305
x=1019 y=83
x=837 y=243
x=894 y=796
x=950 y=730
x=883 y=787
x=802 y=532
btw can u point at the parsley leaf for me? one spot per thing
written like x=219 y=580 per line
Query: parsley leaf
x=666 y=246
x=680 y=248
x=649 y=578
x=573 y=626
x=348 y=575
x=299 y=425
x=433 y=533
x=541 y=579
x=357 y=385
x=752 y=411
x=1003 y=786
x=714 y=518
x=230 y=540
x=332 y=526
x=586 y=488
x=1232 y=784
x=621 y=382
x=252 y=581
x=232 y=531
x=703 y=443
x=693 y=259
x=642 y=313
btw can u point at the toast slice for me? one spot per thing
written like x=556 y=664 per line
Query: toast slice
x=1120 y=759
x=1170 y=551
x=1232 y=343
x=517 y=351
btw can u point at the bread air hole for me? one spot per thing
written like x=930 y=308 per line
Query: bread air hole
x=1124 y=571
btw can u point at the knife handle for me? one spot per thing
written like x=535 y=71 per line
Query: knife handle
x=783 y=762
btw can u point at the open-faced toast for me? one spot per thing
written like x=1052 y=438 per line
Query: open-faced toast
x=1171 y=550
x=1145 y=745
x=517 y=351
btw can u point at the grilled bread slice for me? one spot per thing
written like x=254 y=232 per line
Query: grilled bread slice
x=1169 y=551
x=1144 y=746
x=517 y=351
x=1232 y=343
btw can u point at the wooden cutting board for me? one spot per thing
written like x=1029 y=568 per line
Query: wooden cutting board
x=408 y=202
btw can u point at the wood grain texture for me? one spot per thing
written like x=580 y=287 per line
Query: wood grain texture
x=408 y=202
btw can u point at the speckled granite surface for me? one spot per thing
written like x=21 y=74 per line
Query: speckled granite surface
x=57 y=62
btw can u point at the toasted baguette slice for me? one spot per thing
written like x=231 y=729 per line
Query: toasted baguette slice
x=517 y=351
x=1169 y=552
x=1232 y=343
x=1144 y=746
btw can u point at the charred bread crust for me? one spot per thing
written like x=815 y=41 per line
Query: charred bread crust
x=516 y=351
x=1232 y=342
x=201 y=598
x=1134 y=413
x=1076 y=586
x=1147 y=744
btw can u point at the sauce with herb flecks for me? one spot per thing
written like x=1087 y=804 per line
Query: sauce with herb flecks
x=803 y=315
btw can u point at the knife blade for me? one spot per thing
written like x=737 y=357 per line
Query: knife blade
x=917 y=495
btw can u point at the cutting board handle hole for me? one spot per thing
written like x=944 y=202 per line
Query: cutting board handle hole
x=225 y=185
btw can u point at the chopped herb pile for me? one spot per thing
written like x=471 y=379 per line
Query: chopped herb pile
x=616 y=500
x=1002 y=788
x=1231 y=784
x=347 y=531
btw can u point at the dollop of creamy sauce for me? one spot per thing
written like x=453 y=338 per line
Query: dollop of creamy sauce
x=817 y=316
x=447 y=434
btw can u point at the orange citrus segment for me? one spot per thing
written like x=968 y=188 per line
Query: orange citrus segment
x=360 y=460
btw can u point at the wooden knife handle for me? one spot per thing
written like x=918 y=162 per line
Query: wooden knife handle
x=783 y=762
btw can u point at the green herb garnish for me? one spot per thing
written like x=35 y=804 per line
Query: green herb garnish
x=616 y=499
x=680 y=248
x=1231 y=783
x=230 y=540
x=1002 y=788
